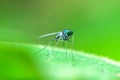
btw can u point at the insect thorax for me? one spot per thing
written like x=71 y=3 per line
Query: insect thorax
x=65 y=35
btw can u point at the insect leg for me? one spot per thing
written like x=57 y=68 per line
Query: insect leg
x=44 y=47
x=66 y=50
x=72 y=46
x=65 y=46
x=56 y=44
x=53 y=48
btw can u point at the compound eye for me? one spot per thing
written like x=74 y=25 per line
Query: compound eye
x=71 y=33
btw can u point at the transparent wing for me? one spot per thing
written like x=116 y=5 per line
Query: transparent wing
x=48 y=34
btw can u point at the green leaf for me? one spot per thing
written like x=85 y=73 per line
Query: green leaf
x=20 y=61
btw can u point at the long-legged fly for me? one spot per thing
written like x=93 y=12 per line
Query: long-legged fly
x=64 y=35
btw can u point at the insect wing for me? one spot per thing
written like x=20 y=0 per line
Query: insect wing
x=48 y=34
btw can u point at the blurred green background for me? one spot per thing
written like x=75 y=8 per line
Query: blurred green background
x=96 y=23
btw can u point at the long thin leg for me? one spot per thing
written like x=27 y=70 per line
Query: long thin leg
x=44 y=47
x=65 y=46
x=56 y=44
x=66 y=50
x=53 y=47
x=72 y=43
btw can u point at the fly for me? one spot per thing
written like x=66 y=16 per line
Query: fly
x=64 y=35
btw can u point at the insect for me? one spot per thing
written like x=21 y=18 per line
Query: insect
x=64 y=35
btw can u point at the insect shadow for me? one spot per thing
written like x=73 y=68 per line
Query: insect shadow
x=64 y=36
